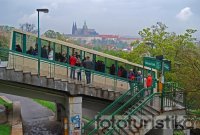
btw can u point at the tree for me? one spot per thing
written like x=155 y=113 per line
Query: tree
x=55 y=35
x=27 y=27
x=4 y=41
x=179 y=49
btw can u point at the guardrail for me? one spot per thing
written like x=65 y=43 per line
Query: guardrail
x=147 y=101
x=172 y=96
x=109 y=109
x=131 y=97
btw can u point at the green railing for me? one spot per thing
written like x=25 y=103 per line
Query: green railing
x=111 y=108
x=172 y=96
x=145 y=102
x=118 y=107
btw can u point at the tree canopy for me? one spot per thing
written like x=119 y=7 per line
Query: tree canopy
x=180 y=49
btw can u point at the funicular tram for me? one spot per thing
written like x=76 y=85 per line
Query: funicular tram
x=24 y=55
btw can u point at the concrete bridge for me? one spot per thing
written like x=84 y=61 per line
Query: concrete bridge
x=70 y=96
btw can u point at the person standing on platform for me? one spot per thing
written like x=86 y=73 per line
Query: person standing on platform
x=44 y=53
x=50 y=56
x=78 y=64
x=72 y=61
x=149 y=82
x=88 y=64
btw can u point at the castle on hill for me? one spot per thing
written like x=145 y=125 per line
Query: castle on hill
x=83 y=31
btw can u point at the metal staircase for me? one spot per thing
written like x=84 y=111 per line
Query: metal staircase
x=136 y=104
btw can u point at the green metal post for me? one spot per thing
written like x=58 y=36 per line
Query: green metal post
x=14 y=41
x=68 y=55
x=116 y=68
x=105 y=62
x=116 y=71
x=54 y=52
x=61 y=51
x=163 y=88
x=94 y=57
x=84 y=54
x=81 y=53
x=39 y=46
x=24 y=43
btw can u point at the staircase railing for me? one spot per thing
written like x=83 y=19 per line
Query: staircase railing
x=133 y=99
x=120 y=131
x=112 y=107
x=172 y=96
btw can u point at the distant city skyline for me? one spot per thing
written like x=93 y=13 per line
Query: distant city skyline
x=118 y=17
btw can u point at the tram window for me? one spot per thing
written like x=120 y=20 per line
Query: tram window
x=110 y=66
x=44 y=49
x=51 y=51
x=58 y=55
x=64 y=53
x=77 y=52
x=31 y=45
x=90 y=55
x=19 y=42
x=100 y=64
x=122 y=71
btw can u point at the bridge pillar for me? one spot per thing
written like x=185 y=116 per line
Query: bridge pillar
x=72 y=123
x=59 y=112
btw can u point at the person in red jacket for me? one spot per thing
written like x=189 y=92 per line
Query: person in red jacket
x=149 y=81
x=72 y=62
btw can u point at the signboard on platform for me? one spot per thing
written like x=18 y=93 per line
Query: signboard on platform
x=157 y=64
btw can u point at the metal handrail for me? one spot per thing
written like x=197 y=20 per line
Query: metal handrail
x=110 y=107
x=134 y=111
x=126 y=104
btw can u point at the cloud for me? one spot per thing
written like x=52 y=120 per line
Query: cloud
x=32 y=18
x=184 y=14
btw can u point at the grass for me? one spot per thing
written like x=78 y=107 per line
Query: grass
x=4 y=103
x=196 y=112
x=52 y=106
x=178 y=132
x=5 y=129
x=47 y=104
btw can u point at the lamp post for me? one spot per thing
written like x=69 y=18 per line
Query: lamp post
x=38 y=41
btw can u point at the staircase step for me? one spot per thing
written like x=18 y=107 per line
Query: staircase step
x=156 y=111
x=150 y=111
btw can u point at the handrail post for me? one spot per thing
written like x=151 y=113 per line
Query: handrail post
x=162 y=98
x=39 y=46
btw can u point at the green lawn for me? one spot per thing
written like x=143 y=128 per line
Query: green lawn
x=5 y=129
x=49 y=105
x=52 y=106
x=196 y=112
x=178 y=132
x=2 y=102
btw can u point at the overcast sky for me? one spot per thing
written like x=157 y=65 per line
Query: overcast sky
x=121 y=17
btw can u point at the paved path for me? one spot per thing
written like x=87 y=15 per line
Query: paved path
x=35 y=117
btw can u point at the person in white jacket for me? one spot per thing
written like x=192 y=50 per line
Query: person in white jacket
x=50 y=56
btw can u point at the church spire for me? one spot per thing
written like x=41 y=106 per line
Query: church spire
x=75 y=27
x=73 y=31
x=85 y=25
